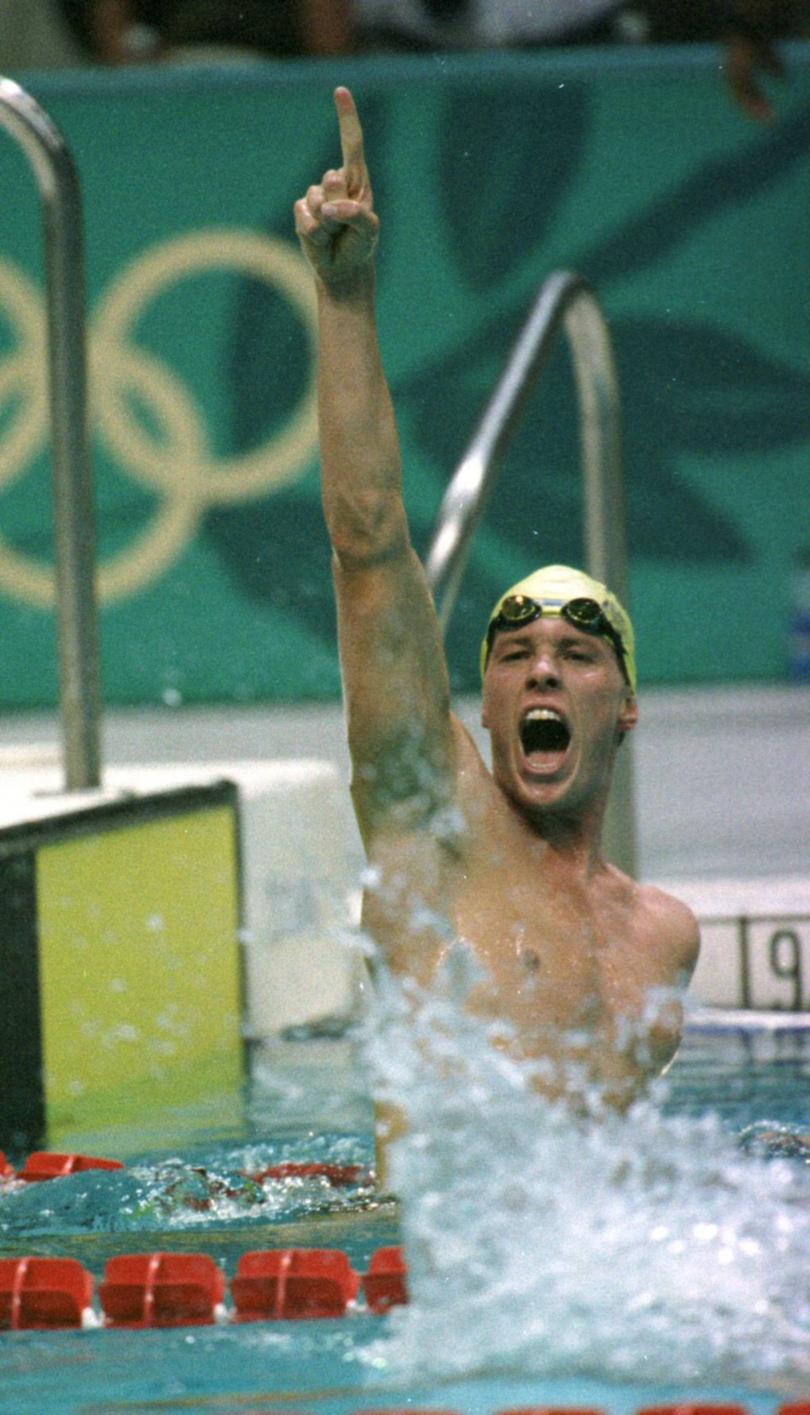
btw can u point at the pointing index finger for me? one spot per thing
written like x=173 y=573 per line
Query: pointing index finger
x=351 y=138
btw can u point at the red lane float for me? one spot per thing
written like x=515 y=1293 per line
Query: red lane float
x=47 y=1164
x=384 y=1284
x=292 y=1284
x=161 y=1290
x=39 y=1293
x=552 y=1410
x=179 y=1289
x=690 y=1408
x=338 y=1175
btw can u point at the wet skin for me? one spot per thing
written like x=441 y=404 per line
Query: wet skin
x=507 y=861
x=572 y=948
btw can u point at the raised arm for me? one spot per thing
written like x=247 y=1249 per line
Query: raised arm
x=392 y=662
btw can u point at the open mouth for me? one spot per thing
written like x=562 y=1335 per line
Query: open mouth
x=544 y=737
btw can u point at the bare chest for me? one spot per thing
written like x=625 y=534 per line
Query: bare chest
x=558 y=950
x=555 y=952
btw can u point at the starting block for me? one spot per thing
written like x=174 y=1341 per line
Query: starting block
x=120 y=921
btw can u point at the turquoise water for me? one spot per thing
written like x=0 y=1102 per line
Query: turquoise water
x=498 y=1319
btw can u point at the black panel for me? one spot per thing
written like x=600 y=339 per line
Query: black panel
x=22 y=1106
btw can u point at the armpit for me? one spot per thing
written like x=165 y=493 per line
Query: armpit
x=405 y=778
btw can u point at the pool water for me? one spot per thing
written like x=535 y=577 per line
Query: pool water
x=744 y=1067
x=585 y=1271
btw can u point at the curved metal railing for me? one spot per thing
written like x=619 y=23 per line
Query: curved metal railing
x=564 y=301
x=74 y=525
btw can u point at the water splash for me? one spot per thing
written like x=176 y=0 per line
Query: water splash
x=645 y=1246
x=173 y=1194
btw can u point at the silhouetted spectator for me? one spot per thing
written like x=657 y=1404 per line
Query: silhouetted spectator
x=747 y=28
x=34 y=35
x=484 y=24
x=118 y=32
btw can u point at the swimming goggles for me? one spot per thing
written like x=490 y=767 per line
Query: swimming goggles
x=584 y=614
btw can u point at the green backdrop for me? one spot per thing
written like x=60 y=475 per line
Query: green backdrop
x=631 y=167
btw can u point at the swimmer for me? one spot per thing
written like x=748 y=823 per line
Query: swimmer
x=506 y=861
x=771 y=1139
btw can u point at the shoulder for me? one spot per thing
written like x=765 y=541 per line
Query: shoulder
x=661 y=921
x=672 y=922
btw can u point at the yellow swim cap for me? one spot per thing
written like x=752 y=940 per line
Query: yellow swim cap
x=554 y=586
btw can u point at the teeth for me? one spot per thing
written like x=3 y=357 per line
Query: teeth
x=542 y=715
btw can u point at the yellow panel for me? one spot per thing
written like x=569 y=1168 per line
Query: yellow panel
x=139 y=967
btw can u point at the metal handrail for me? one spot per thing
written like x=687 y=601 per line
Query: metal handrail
x=564 y=301
x=74 y=523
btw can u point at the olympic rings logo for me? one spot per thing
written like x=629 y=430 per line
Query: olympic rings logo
x=172 y=457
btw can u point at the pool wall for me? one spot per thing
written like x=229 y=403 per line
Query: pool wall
x=634 y=168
